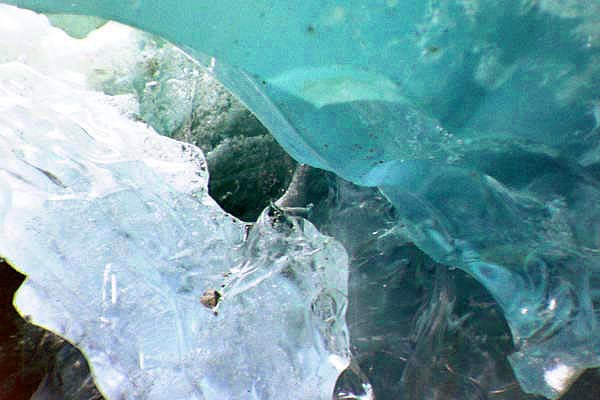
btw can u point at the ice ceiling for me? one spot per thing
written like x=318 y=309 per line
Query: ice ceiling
x=478 y=120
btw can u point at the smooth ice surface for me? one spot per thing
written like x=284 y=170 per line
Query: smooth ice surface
x=479 y=120
x=114 y=228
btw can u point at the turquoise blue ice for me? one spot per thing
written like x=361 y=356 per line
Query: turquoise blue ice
x=479 y=121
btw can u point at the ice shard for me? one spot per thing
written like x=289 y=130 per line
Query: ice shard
x=128 y=258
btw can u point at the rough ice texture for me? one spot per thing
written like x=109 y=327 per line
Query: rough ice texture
x=113 y=226
x=418 y=329
x=478 y=120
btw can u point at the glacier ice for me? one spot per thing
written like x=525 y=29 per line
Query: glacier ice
x=477 y=120
x=114 y=228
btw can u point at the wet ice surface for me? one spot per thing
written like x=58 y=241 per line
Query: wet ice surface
x=477 y=120
x=114 y=228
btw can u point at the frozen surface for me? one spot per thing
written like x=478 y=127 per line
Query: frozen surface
x=119 y=239
x=479 y=121
x=419 y=330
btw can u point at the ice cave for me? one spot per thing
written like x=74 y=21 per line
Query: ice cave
x=308 y=200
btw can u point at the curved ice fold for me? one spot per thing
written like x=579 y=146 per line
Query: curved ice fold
x=336 y=84
x=114 y=228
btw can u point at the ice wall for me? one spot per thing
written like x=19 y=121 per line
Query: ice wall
x=478 y=120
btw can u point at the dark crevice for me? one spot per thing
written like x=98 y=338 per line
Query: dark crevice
x=33 y=361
